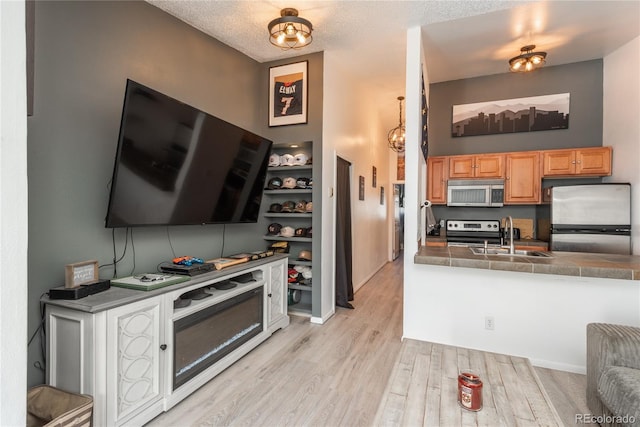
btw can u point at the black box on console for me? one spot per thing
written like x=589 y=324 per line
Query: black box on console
x=80 y=291
x=189 y=270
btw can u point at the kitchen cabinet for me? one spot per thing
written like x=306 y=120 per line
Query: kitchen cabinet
x=532 y=246
x=522 y=180
x=594 y=161
x=522 y=171
x=477 y=166
x=437 y=171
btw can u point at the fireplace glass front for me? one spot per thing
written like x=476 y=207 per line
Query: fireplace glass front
x=204 y=337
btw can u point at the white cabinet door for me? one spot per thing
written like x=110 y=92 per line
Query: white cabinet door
x=134 y=360
x=277 y=296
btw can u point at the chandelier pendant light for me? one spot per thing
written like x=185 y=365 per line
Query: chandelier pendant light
x=290 y=31
x=528 y=60
x=396 y=135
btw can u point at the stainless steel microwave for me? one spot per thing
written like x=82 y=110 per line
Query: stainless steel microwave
x=480 y=193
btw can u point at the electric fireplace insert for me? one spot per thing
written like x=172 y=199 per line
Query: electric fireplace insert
x=203 y=338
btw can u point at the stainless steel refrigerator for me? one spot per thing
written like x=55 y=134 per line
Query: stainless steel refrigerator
x=591 y=218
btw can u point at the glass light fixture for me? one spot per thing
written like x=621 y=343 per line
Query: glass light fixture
x=396 y=136
x=290 y=31
x=527 y=60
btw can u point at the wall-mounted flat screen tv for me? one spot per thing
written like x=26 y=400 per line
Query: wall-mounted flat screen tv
x=178 y=165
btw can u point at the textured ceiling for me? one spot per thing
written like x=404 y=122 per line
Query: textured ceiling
x=462 y=39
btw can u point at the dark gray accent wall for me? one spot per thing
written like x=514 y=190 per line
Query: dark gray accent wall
x=84 y=52
x=583 y=80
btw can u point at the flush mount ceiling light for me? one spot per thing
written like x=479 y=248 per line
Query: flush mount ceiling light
x=528 y=60
x=396 y=135
x=290 y=31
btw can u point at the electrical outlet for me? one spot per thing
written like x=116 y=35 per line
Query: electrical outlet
x=489 y=323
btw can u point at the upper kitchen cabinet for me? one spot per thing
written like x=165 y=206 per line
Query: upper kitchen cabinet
x=437 y=171
x=522 y=181
x=477 y=166
x=594 y=161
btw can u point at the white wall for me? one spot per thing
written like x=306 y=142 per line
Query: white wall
x=542 y=317
x=13 y=215
x=621 y=127
x=352 y=130
x=414 y=189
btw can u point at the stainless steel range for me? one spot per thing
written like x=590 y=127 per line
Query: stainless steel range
x=466 y=232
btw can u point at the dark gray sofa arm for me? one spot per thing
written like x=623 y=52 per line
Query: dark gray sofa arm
x=608 y=345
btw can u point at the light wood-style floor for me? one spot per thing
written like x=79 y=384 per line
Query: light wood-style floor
x=423 y=389
x=329 y=375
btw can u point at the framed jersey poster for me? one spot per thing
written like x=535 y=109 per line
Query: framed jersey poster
x=288 y=87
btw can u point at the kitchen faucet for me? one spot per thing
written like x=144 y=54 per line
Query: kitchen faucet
x=512 y=249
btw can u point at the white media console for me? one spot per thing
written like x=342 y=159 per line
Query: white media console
x=138 y=356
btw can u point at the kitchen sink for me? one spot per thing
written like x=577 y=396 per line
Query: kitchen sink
x=505 y=251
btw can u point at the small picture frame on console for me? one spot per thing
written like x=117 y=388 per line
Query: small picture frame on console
x=80 y=273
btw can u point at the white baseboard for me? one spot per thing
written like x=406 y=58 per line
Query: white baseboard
x=577 y=369
x=322 y=320
x=366 y=279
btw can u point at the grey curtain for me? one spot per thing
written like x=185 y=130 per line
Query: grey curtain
x=344 y=284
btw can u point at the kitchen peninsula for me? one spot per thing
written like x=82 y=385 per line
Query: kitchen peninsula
x=578 y=264
x=536 y=306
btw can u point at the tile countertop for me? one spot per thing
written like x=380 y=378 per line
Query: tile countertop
x=610 y=266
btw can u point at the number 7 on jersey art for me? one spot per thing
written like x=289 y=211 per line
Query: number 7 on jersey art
x=288 y=88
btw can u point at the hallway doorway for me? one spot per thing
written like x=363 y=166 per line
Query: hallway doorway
x=343 y=250
x=397 y=245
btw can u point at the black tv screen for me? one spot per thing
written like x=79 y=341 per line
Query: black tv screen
x=178 y=165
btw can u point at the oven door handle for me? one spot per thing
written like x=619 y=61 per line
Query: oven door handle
x=468 y=241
